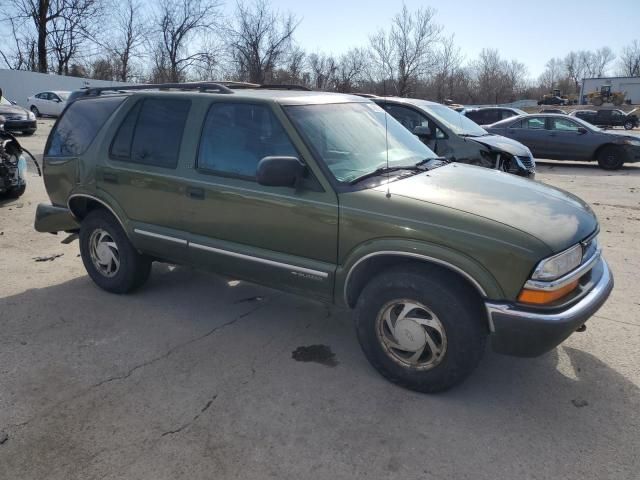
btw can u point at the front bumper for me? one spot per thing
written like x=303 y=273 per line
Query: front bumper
x=529 y=333
x=20 y=125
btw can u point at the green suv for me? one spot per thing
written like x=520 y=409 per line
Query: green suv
x=327 y=196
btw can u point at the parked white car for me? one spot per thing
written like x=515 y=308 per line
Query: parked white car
x=48 y=103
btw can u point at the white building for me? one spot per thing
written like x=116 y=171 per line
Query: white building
x=17 y=85
x=629 y=85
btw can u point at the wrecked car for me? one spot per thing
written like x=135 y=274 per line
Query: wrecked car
x=13 y=165
x=455 y=137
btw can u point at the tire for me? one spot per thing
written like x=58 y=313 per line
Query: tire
x=628 y=125
x=108 y=256
x=597 y=101
x=455 y=328
x=35 y=111
x=611 y=158
x=17 y=192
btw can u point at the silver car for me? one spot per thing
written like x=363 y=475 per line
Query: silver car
x=453 y=136
x=560 y=137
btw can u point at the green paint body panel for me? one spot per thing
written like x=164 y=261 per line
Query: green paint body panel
x=493 y=227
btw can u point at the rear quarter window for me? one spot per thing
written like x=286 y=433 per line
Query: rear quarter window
x=79 y=125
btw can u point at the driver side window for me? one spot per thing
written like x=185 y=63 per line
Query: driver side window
x=411 y=119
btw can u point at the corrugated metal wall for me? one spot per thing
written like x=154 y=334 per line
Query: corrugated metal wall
x=18 y=85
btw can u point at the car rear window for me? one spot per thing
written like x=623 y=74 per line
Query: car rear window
x=79 y=125
x=151 y=133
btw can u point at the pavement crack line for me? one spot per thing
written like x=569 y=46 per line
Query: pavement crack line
x=617 y=321
x=132 y=370
x=192 y=421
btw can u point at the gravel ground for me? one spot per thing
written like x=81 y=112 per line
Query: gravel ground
x=193 y=376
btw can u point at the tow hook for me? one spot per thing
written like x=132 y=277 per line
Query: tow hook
x=581 y=328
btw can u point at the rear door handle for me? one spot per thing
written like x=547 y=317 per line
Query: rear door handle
x=110 y=177
x=195 y=193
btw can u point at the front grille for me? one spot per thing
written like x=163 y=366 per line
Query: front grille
x=527 y=162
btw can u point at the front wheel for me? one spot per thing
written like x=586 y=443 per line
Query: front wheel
x=628 y=125
x=422 y=331
x=108 y=256
x=35 y=111
x=611 y=158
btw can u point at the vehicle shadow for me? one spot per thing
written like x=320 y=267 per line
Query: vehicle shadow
x=589 y=168
x=164 y=350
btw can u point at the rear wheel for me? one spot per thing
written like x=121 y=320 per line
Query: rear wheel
x=419 y=333
x=611 y=157
x=108 y=256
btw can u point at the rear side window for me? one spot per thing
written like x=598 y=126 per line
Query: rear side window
x=79 y=126
x=151 y=133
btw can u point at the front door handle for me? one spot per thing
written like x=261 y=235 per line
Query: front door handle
x=110 y=177
x=195 y=193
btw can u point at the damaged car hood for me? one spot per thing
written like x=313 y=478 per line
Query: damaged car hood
x=504 y=144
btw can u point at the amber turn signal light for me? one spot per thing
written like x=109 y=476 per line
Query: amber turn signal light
x=544 y=297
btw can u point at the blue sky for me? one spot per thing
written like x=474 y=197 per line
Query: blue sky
x=531 y=31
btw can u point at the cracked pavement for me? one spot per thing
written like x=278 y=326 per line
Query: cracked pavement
x=192 y=377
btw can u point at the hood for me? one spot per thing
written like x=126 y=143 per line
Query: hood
x=555 y=217
x=504 y=144
x=6 y=110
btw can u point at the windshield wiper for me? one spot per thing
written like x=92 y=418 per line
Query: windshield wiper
x=382 y=170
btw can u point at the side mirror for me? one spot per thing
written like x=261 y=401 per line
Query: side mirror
x=582 y=130
x=422 y=131
x=12 y=102
x=57 y=100
x=280 y=171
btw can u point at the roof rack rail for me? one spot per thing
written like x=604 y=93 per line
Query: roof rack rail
x=285 y=86
x=365 y=95
x=238 y=85
x=201 y=86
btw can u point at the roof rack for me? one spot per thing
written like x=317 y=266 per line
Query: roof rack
x=365 y=95
x=241 y=85
x=200 y=86
x=285 y=86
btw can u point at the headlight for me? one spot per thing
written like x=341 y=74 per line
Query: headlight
x=31 y=116
x=558 y=265
x=635 y=143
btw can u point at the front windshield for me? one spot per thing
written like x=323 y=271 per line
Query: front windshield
x=4 y=101
x=458 y=123
x=350 y=138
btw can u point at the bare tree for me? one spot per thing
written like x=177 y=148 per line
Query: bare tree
x=448 y=62
x=629 y=62
x=23 y=54
x=182 y=25
x=39 y=14
x=260 y=40
x=554 y=70
x=71 y=29
x=128 y=33
x=406 y=52
x=575 y=67
x=602 y=59
x=349 y=70
x=323 y=69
